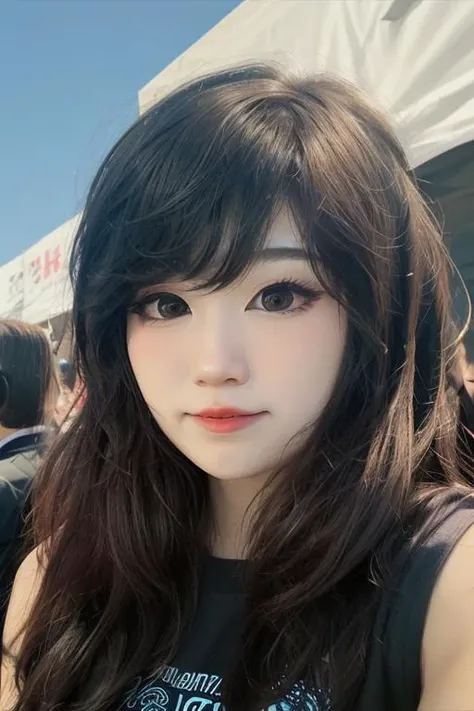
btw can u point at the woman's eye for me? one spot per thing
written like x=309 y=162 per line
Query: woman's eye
x=277 y=299
x=161 y=307
x=285 y=297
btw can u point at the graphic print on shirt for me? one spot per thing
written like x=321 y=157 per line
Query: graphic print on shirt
x=172 y=690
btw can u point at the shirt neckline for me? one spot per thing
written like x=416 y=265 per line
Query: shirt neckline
x=224 y=575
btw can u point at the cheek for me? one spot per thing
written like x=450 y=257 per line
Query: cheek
x=303 y=365
x=152 y=364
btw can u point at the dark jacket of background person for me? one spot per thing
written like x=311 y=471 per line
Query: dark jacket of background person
x=28 y=393
x=16 y=476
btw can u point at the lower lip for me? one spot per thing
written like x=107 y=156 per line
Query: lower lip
x=224 y=425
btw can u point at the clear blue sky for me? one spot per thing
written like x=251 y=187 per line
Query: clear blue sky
x=70 y=71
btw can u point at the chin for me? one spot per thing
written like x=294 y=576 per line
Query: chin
x=229 y=475
x=228 y=471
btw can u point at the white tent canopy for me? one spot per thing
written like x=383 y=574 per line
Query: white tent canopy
x=414 y=57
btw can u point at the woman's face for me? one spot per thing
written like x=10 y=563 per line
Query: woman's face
x=270 y=345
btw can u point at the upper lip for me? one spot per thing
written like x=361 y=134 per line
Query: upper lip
x=221 y=412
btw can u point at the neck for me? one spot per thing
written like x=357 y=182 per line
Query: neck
x=233 y=504
x=6 y=432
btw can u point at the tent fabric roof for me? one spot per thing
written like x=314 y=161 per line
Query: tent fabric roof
x=419 y=65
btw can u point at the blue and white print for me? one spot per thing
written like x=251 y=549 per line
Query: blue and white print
x=172 y=690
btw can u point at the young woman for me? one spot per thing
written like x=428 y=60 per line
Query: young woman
x=264 y=503
x=28 y=391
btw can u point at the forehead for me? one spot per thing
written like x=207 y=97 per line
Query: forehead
x=283 y=232
x=282 y=240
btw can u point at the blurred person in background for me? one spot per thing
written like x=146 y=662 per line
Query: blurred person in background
x=65 y=400
x=71 y=396
x=463 y=376
x=468 y=364
x=28 y=393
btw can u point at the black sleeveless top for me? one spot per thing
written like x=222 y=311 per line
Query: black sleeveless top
x=210 y=647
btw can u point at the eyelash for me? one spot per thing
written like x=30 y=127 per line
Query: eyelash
x=299 y=288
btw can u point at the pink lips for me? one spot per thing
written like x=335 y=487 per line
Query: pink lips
x=223 y=420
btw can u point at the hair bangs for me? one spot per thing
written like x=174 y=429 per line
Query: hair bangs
x=212 y=243
x=204 y=213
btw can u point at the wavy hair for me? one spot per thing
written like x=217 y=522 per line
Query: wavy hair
x=190 y=190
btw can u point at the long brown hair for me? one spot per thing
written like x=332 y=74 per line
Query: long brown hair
x=191 y=190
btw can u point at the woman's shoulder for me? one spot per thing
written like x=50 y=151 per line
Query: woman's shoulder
x=424 y=586
x=448 y=637
x=430 y=538
x=442 y=536
x=25 y=590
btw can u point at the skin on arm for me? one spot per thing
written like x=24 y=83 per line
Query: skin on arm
x=448 y=639
x=25 y=589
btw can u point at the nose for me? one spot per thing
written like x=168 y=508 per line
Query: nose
x=219 y=355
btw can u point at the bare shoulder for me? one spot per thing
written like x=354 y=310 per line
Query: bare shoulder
x=448 y=640
x=25 y=589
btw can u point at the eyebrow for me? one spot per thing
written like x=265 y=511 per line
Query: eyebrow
x=269 y=254
x=273 y=254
